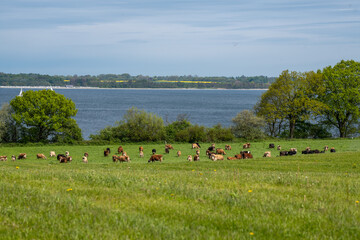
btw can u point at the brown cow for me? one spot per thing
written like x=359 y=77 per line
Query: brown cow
x=231 y=158
x=40 y=155
x=156 y=157
x=141 y=149
x=120 y=150
x=106 y=153
x=195 y=145
x=178 y=153
x=3 y=158
x=216 y=157
x=169 y=146
x=198 y=152
x=238 y=156
x=220 y=151
x=167 y=150
x=22 y=156
x=124 y=159
x=246 y=145
x=227 y=147
x=246 y=154
x=196 y=158
x=189 y=158
x=63 y=159
x=114 y=158
x=87 y=155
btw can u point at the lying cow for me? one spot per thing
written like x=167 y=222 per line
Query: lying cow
x=271 y=145
x=246 y=154
x=231 y=158
x=189 y=158
x=267 y=154
x=238 y=156
x=156 y=157
x=227 y=147
x=195 y=145
x=196 y=158
x=216 y=157
x=52 y=154
x=332 y=150
x=220 y=151
x=3 y=158
x=22 y=156
x=40 y=155
x=246 y=145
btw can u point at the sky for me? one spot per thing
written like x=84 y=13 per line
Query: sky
x=177 y=37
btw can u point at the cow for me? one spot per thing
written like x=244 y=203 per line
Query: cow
x=84 y=159
x=178 y=153
x=189 y=158
x=196 y=158
x=198 y=152
x=271 y=145
x=220 y=151
x=326 y=148
x=169 y=146
x=60 y=156
x=267 y=154
x=124 y=159
x=120 y=150
x=156 y=157
x=212 y=147
x=153 y=151
x=278 y=148
x=238 y=156
x=216 y=157
x=40 y=155
x=52 y=154
x=141 y=149
x=13 y=157
x=69 y=158
x=246 y=145
x=195 y=145
x=332 y=150
x=167 y=150
x=227 y=147
x=22 y=156
x=67 y=153
x=124 y=153
x=231 y=158
x=246 y=154
x=114 y=158
x=209 y=153
x=87 y=155
x=106 y=153
x=3 y=158
x=141 y=154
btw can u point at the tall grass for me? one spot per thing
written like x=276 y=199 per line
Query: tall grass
x=297 y=197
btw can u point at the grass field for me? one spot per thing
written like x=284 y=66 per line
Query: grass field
x=294 y=197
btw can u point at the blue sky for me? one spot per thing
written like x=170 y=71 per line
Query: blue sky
x=181 y=37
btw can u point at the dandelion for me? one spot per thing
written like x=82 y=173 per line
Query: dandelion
x=357 y=202
x=214 y=170
x=69 y=189
x=201 y=174
x=193 y=170
x=172 y=194
x=17 y=167
x=250 y=190
x=251 y=233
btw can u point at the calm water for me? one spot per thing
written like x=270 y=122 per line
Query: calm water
x=98 y=108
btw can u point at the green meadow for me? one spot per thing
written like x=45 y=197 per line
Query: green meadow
x=293 y=197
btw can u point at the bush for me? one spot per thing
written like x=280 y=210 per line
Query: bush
x=248 y=126
x=219 y=134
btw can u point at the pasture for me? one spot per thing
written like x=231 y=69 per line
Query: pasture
x=293 y=197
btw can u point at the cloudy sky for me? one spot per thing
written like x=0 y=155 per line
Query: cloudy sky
x=176 y=37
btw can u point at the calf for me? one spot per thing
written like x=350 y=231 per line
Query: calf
x=22 y=156
x=267 y=154
x=156 y=157
x=84 y=159
x=40 y=155
x=52 y=154
x=220 y=151
x=216 y=157
x=189 y=158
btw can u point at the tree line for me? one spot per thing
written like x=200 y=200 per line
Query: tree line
x=139 y=81
x=319 y=104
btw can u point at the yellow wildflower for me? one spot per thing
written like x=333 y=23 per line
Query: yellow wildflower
x=250 y=190
x=193 y=170
x=69 y=189
x=214 y=170
x=17 y=167
x=357 y=202
x=172 y=194
x=251 y=233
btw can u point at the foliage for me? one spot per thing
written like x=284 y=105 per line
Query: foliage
x=306 y=129
x=192 y=134
x=247 y=125
x=9 y=132
x=173 y=128
x=42 y=115
x=219 y=134
x=342 y=96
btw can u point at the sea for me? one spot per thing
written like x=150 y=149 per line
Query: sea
x=99 y=108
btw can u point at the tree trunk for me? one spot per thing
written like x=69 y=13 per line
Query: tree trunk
x=292 y=128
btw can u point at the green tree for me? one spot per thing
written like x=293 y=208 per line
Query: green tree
x=9 y=132
x=247 y=125
x=342 y=96
x=42 y=115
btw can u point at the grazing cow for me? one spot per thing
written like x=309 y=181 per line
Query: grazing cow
x=156 y=157
x=3 y=158
x=153 y=151
x=67 y=153
x=169 y=146
x=167 y=150
x=246 y=145
x=13 y=157
x=326 y=148
x=178 y=153
x=267 y=154
x=22 y=156
x=52 y=154
x=198 y=152
x=231 y=158
x=141 y=149
x=293 y=150
x=278 y=148
x=84 y=159
x=238 y=156
x=227 y=147
x=114 y=158
x=40 y=155
x=332 y=150
x=216 y=157
x=120 y=149
x=220 y=151
x=106 y=153
x=87 y=155
x=141 y=154
x=271 y=145
x=60 y=156
x=195 y=145
x=189 y=158
x=246 y=154
x=196 y=158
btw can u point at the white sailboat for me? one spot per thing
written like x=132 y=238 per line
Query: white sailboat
x=21 y=93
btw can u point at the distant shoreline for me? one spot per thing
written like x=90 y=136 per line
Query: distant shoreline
x=56 y=87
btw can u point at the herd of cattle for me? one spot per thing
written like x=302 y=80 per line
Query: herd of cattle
x=212 y=153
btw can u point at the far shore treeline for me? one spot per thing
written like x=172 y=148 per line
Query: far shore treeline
x=321 y=104
x=140 y=81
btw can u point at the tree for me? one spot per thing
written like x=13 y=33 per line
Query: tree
x=9 y=132
x=42 y=115
x=342 y=96
x=291 y=97
x=248 y=125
